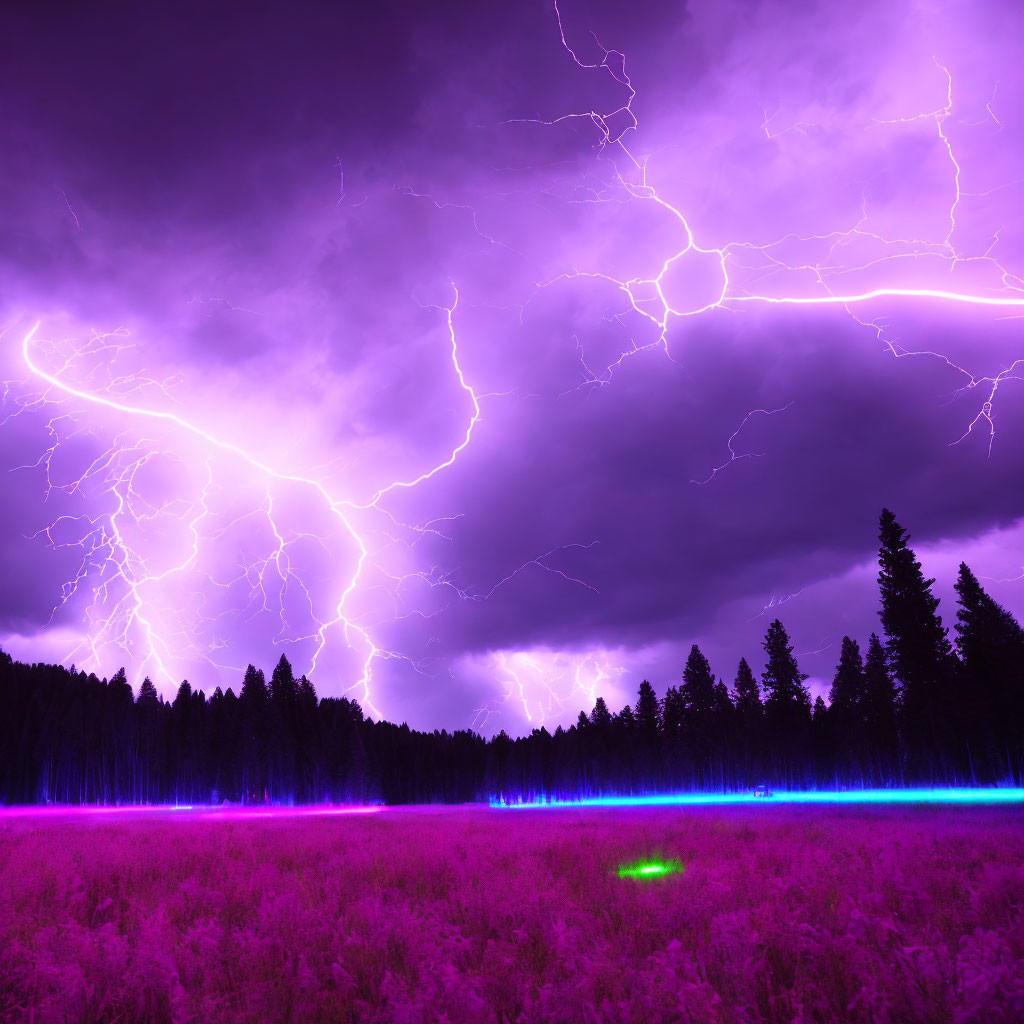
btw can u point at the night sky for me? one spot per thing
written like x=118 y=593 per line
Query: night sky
x=334 y=248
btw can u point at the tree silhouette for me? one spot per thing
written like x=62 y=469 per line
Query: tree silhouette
x=255 y=713
x=878 y=709
x=990 y=643
x=746 y=695
x=647 y=745
x=697 y=696
x=70 y=737
x=787 y=706
x=919 y=653
x=846 y=708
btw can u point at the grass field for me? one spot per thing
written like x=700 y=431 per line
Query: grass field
x=780 y=914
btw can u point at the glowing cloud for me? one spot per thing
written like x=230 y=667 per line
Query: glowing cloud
x=439 y=500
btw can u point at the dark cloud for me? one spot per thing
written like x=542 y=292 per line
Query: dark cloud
x=278 y=205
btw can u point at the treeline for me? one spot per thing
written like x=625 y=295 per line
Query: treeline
x=914 y=708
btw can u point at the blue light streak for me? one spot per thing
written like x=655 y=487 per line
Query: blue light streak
x=851 y=796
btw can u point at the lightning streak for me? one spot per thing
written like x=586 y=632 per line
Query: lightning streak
x=696 y=277
x=657 y=301
x=117 y=554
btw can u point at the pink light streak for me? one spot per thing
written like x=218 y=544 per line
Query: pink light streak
x=182 y=812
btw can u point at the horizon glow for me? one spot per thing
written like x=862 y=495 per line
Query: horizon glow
x=191 y=812
x=482 y=413
x=862 y=796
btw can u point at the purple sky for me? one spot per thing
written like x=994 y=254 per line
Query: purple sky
x=242 y=239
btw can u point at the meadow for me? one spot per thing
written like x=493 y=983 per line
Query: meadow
x=782 y=914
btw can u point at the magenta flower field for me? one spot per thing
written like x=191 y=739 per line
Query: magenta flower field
x=477 y=915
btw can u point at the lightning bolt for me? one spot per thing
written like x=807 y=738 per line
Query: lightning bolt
x=132 y=595
x=653 y=301
x=106 y=542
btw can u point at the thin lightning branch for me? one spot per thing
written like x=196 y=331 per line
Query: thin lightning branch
x=124 y=464
x=738 y=275
x=647 y=297
x=735 y=456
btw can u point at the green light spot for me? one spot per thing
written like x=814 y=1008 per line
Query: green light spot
x=647 y=869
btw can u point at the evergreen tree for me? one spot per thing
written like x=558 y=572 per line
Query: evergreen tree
x=253 y=700
x=879 y=714
x=846 y=709
x=601 y=717
x=648 y=711
x=991 y=681
x=787 y=707
x=723 y=728
x=647 y=744
x=624 y=746
x=746 y=695
x=72 y=737
x=147 y=694
x=698 y=689
x=674 y=753
x=283 y=687
x=782 y=679
x=181 y=768
x=822 y=739
x=284 y=695
x=597 y=745
x=697 y=697
x=150 y=780
x=672 y=711
x=306 y=743
x=919 y=653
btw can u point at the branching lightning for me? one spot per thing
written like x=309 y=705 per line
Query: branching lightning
x=140 y=605
x=654 y=301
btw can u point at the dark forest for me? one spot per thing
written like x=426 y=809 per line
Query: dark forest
x=915 y=707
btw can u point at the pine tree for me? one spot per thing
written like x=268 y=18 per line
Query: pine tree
x=697 y=698
x=822 y=738
x=623 y=745
x=648 y=711
x=181 y=742
x=674 y=747
x=601 y=717
x=283 y=687
x=991 y=681
x=879 y=711
x=723 y=734
x=284 y=694
x=672 y=711
x=698 y=689
x=253 y=704
x=151 y=746
x=919 y=653
x=846 y=711
x=306 y=743
x=746 y=695
x=254 y=685
x=147 y=694
x=787 y=707
x=647 y=743
x=782 y=679
x=598 y=744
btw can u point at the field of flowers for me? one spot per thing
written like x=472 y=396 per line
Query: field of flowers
x=780 y=914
